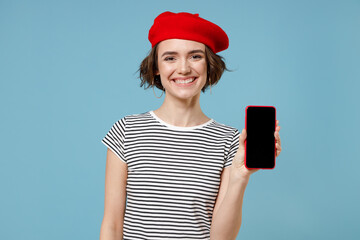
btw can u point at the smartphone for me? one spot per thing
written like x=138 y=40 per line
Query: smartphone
x=260 y=122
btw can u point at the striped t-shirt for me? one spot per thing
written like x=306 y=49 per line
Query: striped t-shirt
x=173 y=174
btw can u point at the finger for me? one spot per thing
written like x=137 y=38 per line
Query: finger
x=277 y=136
x=278 y=150
x=277 y=153
x=278 y=147
x=278 y=139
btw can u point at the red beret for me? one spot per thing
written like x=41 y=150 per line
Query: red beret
x=188 y=26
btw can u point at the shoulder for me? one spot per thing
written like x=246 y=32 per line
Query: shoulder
x=136 y=116
x=135 y=119
x=225 y=129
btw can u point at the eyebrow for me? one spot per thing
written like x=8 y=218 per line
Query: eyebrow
x=174 y=53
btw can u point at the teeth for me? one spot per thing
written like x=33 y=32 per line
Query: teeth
x=185 y=81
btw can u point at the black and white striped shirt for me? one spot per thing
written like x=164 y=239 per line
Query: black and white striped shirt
x=173 y=174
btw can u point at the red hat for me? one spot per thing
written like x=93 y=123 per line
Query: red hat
x=188 y=26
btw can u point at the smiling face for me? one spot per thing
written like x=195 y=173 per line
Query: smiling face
x=182 y=67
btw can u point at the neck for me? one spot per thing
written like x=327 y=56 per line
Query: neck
x=181 y=112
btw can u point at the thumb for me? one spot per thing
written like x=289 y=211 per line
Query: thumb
x=242 y=138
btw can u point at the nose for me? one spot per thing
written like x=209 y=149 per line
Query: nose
x=184 y=67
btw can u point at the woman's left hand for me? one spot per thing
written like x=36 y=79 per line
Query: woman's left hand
x=238 y=167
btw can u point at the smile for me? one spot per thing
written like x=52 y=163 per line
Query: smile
x=185 y=82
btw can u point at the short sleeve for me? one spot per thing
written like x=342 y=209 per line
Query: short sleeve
x=115 y=139
x=234 y=145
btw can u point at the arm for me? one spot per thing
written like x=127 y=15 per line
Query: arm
x=226 y=220
x=115 y=198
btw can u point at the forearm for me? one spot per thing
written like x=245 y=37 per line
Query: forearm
x=108 y=232
x=227 y=221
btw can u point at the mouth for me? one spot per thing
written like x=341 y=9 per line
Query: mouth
x=184 y=82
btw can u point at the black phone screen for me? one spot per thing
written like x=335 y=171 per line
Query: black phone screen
x=260 y=140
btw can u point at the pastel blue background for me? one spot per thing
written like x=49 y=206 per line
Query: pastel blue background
x=68 y=72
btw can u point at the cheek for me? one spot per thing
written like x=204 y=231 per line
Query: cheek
x=201 y=66
x=165 y=70
x=201 y=69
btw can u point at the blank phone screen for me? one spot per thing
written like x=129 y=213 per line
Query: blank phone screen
x=260 y=140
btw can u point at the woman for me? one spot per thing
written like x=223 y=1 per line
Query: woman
x=182 y=172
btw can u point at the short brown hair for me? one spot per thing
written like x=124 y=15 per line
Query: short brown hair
x=148 y=67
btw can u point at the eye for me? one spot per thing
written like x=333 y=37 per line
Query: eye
x=197 y=56
x=169 y=59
